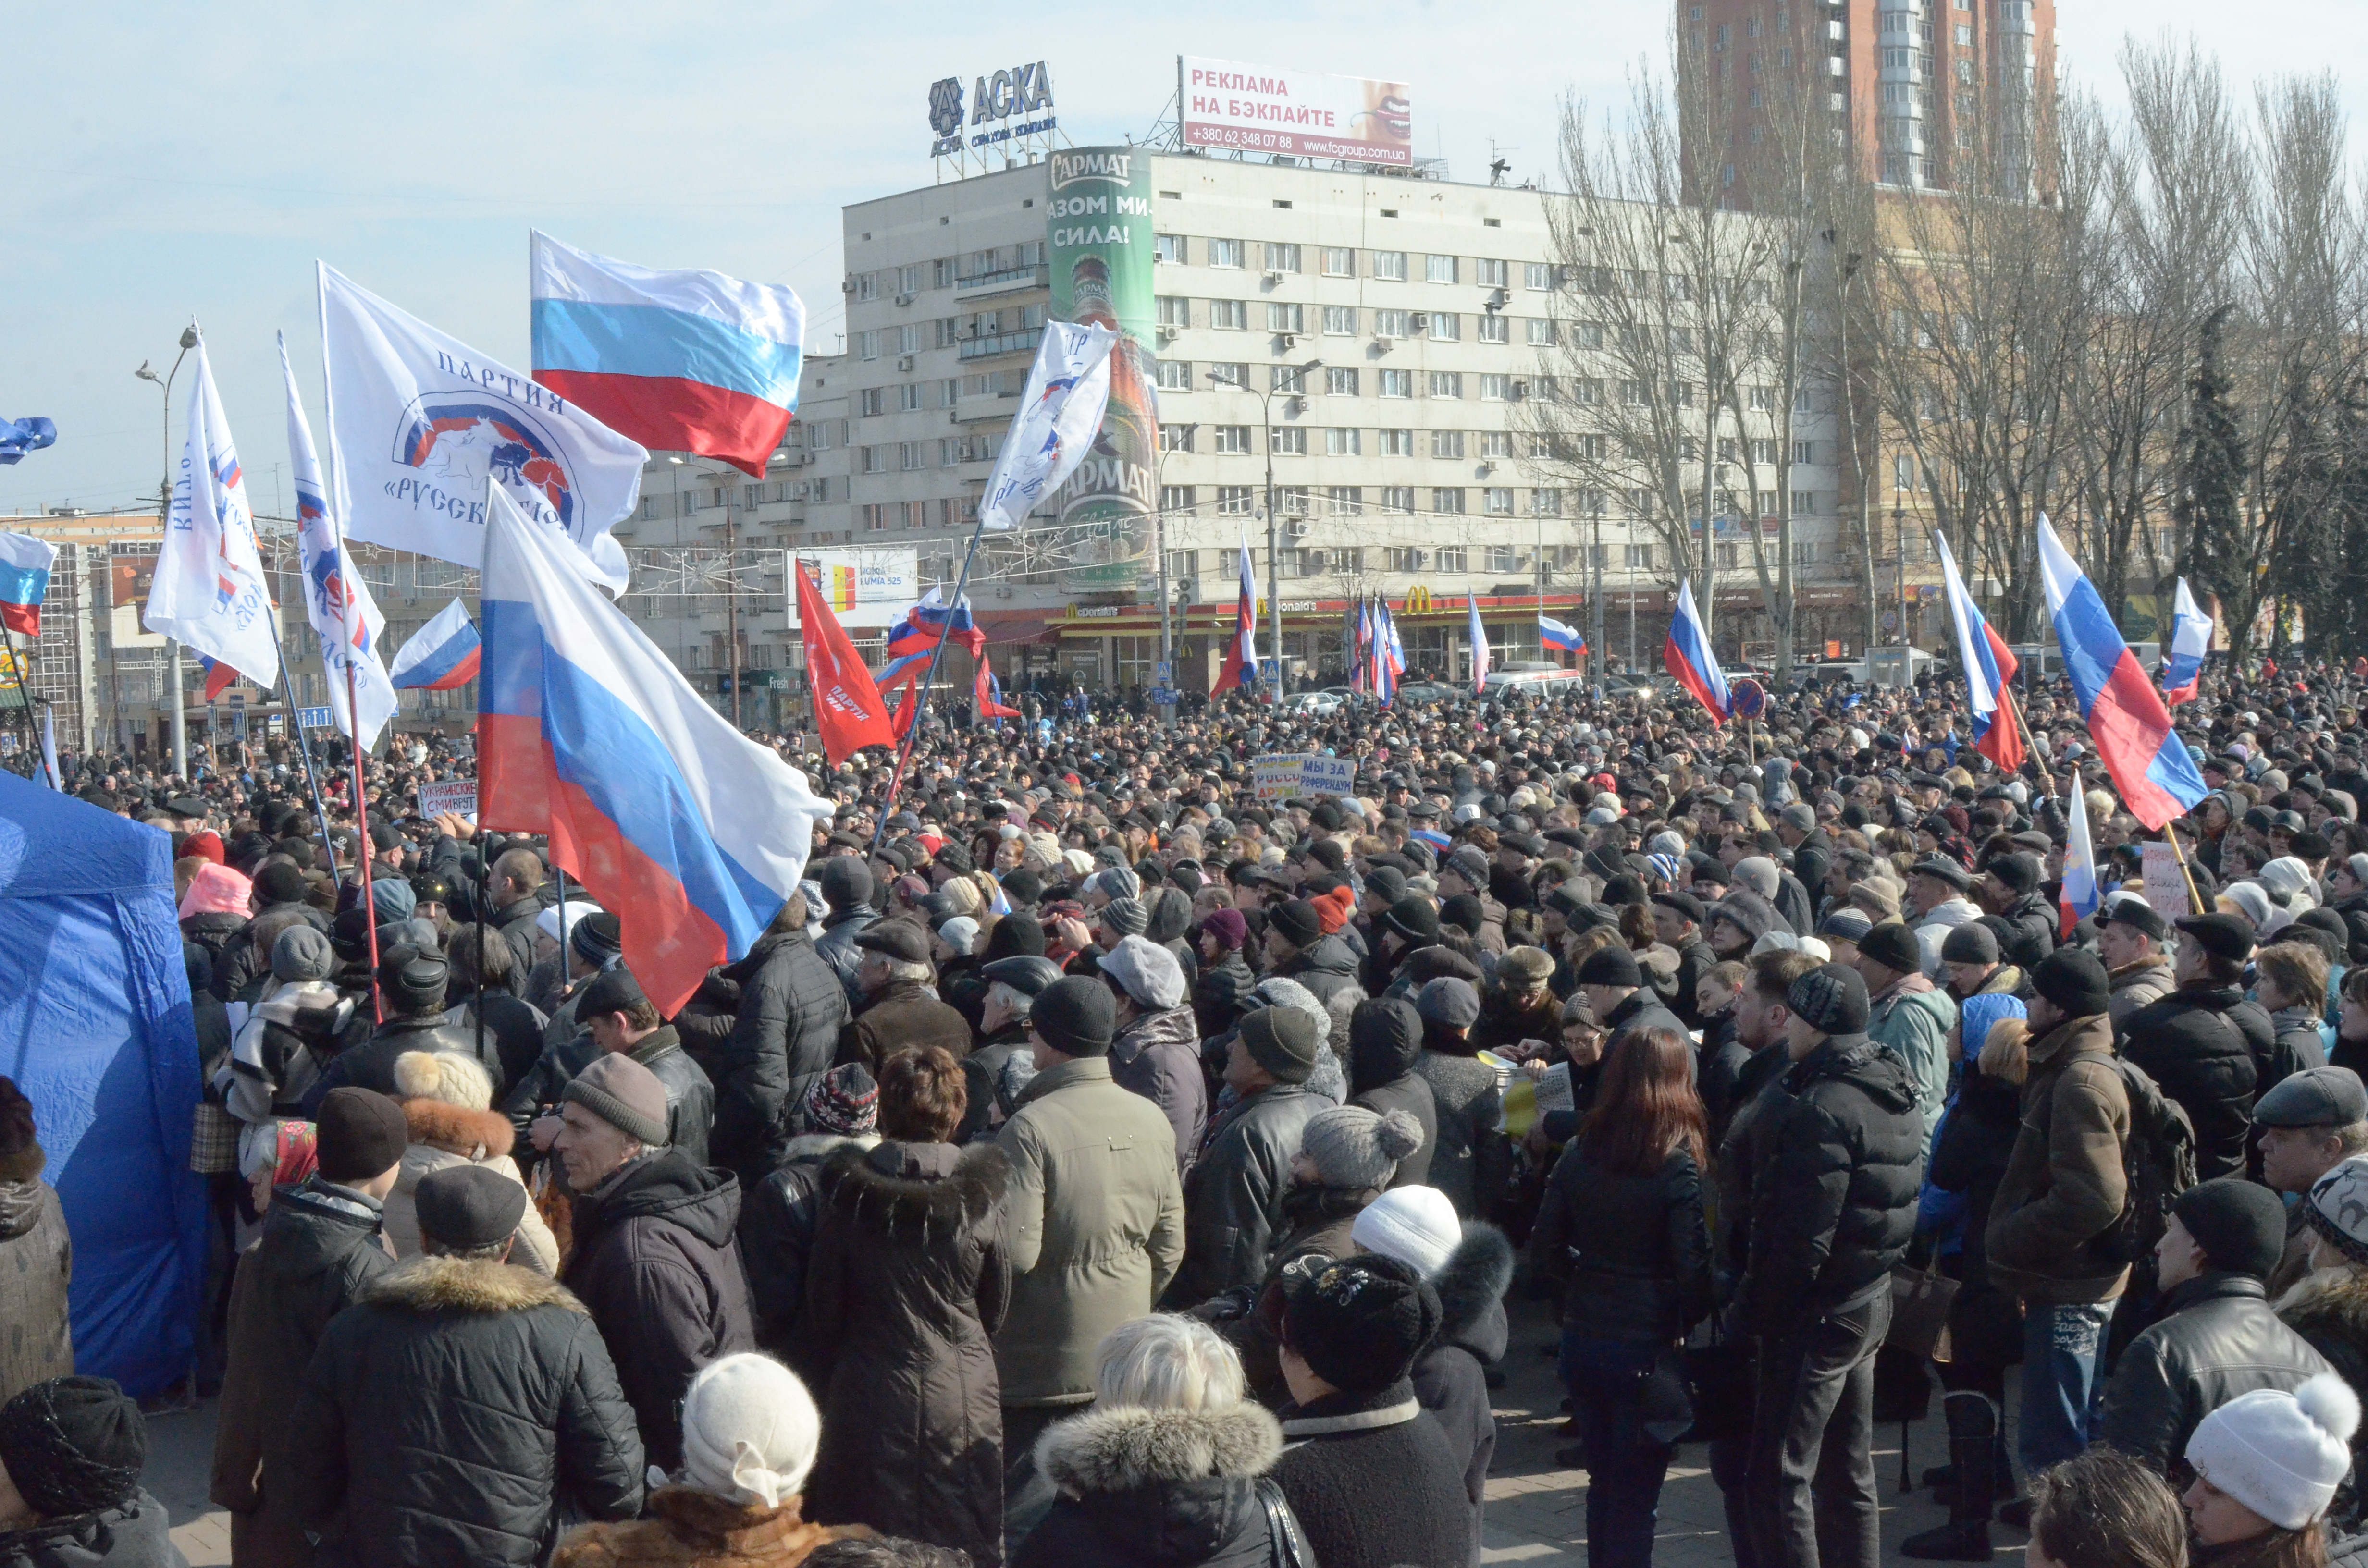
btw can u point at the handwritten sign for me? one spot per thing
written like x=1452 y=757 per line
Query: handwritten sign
x=454 y=796
x=2165 y=890
x=1281 y=775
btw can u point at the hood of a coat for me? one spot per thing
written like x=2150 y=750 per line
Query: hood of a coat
x=905 y=1189
x=811 y=1148
x=1472 y=1285
x=2328 y=1303
x=471 y=1135
x=1165 y=1486
x=1326 y=955
x=429 y=1284
x=716 y=1528
x=139 y=1532
x=1384 y=1043
x=2093 y=1033
x=1855 y=1059
x=318 y=1226
x=666 y=1186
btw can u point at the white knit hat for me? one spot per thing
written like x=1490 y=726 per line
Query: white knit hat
x=2280 y=1454
x=1417 y=1225
x=750 y=1431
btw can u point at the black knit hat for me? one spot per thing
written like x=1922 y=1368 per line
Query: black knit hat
x=281 y=883
x=597 y=938
x=1283 y=1040
x=361 y=1133
x=1413 y=918
x=1831 y=998
x=469 y=1206
x=1298 y=922
x=2074 y=981
x=1024 y=887
x=2017 y=873
x=414 y=980
x=1610 y=966
x=1893 y=946
x=1360 y=1323
x=73 y=1446
x=1971 y=943
x=612 y=991
x=1076 y=1016
x=2240 y=1225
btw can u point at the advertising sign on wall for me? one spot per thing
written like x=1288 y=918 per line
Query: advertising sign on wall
x=1259 y=109
x=864 y=587
x=1100 y=243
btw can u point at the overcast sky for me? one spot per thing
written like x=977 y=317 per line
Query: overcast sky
x=170 y=162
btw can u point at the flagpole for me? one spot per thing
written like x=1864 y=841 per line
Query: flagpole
x=25 y=695
x=361 y=820
x=921 y=691
x=296 y=726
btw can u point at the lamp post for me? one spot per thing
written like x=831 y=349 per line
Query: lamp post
x=165 y=520
x=1273 y=524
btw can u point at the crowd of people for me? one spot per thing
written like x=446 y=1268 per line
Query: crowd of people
x=1101 y=1162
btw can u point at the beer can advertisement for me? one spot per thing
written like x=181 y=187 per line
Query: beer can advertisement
x=1100 y=241
x=1261 y=109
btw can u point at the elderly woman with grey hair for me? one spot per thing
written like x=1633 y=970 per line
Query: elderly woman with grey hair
x=1166 y=1468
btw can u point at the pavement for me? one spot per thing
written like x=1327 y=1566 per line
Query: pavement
x=1537 y=1509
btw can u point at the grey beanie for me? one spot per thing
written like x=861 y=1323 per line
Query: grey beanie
x=301 y=953
x=1353 y=1148
x=1126 y=917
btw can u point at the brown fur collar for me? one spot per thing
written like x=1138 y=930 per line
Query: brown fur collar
x=24 y=1164
x=471 y=1135
x=861 y=1191
x=2329 y=1301
x=430 y=1284
x=691 y=1526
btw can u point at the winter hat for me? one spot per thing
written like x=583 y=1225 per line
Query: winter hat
x=412 y=980
x=1413 y=918
x=1116 y=882
x=1530 y=966
x=1830 y=999
x=844 y=1100
x=1610 y=966
x=2074 y=981
x=610 y=991
x=625 y=1095
x=2280 y=1454
x=1125 y=916
x=73 y=1446
x=1449 y=1000
x=217 y=890
x=961 y=934
x=2336 y=1208
x=1076 y=1016
x=2018 y=872
x=2240 y=1225
x=362 y=1134
x=281 y=883
x=2286 y=877
x=1758 y=873
x=1227 y=927
x=447 y=1077
x=469 y=1206
x=1283 y=1040
x=1970 y=943
x=1417 y=1225
x=1298 y=922
x=750 y=1431
x=1893 y=946
x=577 y=910
x=1354 y=1148
x=597 y=939
x=846 y=883
x=1845 y=925
x=1149 y=973
x=392 y=900
x=1360 y=1323
x=302 y=953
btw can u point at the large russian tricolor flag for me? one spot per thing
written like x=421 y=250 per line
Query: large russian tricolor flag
x=1688 y=656
x=2127 y=719
x=1240 y=668
x=685 y=361
x=1988 y=664
x=25 y=563
x=441 y=656
x=695 y=834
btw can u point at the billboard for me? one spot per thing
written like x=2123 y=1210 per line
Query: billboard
x=1099 y=240
x=863 y=588
x=1256 y=109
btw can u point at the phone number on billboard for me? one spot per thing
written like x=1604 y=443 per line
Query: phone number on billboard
x=1231 y=136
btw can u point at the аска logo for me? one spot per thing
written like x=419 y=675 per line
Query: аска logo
x=946 y=106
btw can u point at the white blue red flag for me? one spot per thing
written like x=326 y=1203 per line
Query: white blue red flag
x=939 y=617
x=1988 y=665
x=419 y=422
x=2080 y=894
x=2150 y=765
x=1389 y=662
x=1240 y=669
x=1355 y=637
x=1553 y=633
x=2191 y=639
x=1060 y=414
x=1477 y=635
x=209 y=590
x=442 y=656
x=694 y=834
x=681 y=361
x=336 y=601
x=1688 y=656
x=25 y=563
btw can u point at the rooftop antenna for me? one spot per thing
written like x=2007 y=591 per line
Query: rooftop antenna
x=1499 y=164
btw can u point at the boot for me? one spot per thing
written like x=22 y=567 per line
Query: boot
x=1973 y=1431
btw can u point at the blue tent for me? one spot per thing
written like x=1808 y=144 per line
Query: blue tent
x=96 y=1027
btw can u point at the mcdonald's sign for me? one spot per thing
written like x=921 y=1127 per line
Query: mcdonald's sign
x=1417 y=601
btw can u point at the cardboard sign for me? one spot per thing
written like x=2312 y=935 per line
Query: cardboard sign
x=1281 y=775
x=2165 y=890
x=1276 y=777
x=457 y=797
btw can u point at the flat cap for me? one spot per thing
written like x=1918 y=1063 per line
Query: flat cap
x=1945 y=870
x=2315 y=1096
x=2222 y=936
x=899 y=939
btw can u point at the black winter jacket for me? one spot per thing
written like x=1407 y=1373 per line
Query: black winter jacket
x=1385 y=1043
x=2204 y=1044
x=1970 y=1157
x=778 y=1218
x=792 y=1009
x=1631 y=1254
x=372 y=1065
x=837 y=948
x=657 y=1263
x=1374 y=1483
x=1155 y=1489
x=1451 y=1376
x=1217 y=993
x=1232 y=1198
x=2217 y=1338
x=1833 y=1207
x=454 y=1414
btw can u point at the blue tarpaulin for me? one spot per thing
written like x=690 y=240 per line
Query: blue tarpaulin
x=95 y=1029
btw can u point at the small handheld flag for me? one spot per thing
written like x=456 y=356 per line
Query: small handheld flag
x=1553 y=633
x=2079 y=897
x=1480 y=651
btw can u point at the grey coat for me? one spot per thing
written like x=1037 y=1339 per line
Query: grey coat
x=36 y=1266
x=1470 y=1160
x=1158 y=1057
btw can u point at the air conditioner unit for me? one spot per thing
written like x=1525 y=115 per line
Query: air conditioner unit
x=1168 y=331
x=953 y=416
x=1274 y=274
x=1520 y=390
x=1420 y=324
x=1382 y=344
x=1294 y=529
x=847 y=286
x=1288 y=339
x=904 y=361
x=904 y=299
x=798 y=491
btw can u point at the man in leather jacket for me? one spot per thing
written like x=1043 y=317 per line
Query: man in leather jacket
x=2217 y=1337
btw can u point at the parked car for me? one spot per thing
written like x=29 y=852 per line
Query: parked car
x=1316 y=703
x=1430 y=692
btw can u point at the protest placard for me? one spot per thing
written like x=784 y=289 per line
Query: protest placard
x=457 y=797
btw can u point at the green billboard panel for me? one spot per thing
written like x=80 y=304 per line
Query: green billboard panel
x=1100 y=241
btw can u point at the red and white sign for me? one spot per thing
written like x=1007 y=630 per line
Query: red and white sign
x=1257 y=108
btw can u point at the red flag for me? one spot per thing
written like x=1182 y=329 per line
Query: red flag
x=985 y=695
x=848 y=709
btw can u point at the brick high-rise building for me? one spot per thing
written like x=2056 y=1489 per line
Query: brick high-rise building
x=1908 y=81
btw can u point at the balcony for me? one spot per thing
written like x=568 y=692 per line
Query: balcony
x=1001 y=342
x=1012 y=279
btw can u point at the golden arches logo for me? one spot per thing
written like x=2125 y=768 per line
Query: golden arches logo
x=1417 y=601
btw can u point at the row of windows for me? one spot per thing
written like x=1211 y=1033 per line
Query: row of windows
x=1448 y=560
x=1347 y=441
x=1343 y=321
x=1493 y=501
x=1343 y=261
x=975 y=267
x=1347 y=380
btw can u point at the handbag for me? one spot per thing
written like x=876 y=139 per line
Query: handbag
x=1721 y=1383
x=1920 y=1300
x=214 y=1138
x=1286 y=1547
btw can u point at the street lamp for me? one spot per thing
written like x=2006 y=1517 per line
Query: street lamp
x=1273 y=524
x=165 y=520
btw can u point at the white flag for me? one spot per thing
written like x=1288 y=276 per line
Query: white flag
x=50 y=745
x=419 y=422
x=209 y=591
x=336 y=601
x=1060 y=415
